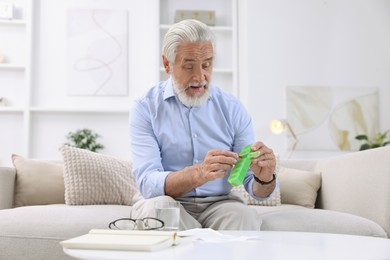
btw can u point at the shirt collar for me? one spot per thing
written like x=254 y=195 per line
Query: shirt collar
x=168 y=92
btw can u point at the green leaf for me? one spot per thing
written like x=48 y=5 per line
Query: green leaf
x=364 y=147
x=361 y=137
x=84 y=139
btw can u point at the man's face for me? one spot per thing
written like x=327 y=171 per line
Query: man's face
x=191 y=72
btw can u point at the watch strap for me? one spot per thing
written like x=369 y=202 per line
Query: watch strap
x=265 y=182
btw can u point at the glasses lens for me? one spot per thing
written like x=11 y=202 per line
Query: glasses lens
x=151 y=223
x=137 y=224
x=125 y=224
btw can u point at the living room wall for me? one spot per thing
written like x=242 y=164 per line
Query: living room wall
x=109 y=113
x=281 y=43
x=336 y=43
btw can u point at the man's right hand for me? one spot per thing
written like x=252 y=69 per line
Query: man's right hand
x=216 y=164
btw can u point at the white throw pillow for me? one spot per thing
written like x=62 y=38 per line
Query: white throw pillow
x=92 y=178
x=38 y=182
x=299 y=187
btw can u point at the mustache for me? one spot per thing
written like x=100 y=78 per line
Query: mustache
x=197 y=84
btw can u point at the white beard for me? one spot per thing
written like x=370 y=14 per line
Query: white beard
x=187 y=100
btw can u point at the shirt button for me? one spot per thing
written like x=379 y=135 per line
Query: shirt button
x=195 y=135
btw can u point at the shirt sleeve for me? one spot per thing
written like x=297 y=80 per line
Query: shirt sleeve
x=244 y=136
x=249 y=189
x=148 y=171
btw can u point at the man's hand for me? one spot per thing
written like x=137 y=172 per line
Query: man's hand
x=263 y=167
x=216 y=164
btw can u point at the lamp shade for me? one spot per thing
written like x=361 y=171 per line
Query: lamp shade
x=277 y=126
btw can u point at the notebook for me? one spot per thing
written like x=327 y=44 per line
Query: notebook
x=134 y=240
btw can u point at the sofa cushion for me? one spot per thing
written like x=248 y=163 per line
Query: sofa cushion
x=58 y=221
x=38 y=182
x=299 y=187
x=93 y=178
x=319 y=220
x=34 y=232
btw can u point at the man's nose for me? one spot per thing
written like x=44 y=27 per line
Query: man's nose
x=199 y=74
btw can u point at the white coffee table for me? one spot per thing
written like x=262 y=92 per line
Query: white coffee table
x=271 y=245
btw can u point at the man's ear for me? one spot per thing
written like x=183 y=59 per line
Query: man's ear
x=166 y=65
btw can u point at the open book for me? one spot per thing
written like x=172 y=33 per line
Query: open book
x=132 y=240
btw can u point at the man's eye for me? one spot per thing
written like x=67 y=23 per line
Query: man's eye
x=206 y=65
x=188 y=67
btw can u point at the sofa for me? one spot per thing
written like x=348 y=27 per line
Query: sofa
x=346 y=194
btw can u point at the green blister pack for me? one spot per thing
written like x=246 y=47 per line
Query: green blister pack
x=241 y=167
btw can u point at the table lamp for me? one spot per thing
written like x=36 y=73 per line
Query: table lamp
x=277 y=126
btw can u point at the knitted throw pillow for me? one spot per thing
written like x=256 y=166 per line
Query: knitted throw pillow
x=273 y=200
x=92 y=178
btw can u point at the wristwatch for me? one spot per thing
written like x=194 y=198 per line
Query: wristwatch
x=265 y=182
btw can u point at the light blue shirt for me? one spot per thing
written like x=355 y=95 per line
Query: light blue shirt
x=167 y=136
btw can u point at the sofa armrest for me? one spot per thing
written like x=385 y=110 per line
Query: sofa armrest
x=7 y=184
x=358 y=183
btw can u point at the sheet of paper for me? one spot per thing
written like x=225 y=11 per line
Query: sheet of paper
x=212 y=236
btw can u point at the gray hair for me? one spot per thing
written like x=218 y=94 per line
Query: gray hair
x=189 y=30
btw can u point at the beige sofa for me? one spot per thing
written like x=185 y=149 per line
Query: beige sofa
x=353 y=198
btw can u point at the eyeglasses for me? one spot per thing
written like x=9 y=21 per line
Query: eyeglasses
x=136 y=224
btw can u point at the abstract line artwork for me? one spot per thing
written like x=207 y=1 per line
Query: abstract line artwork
x=97 y=52
x=329 y=118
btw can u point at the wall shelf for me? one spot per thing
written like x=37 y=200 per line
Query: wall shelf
x=6 y=66
x=11 y=110
x=13 y=22
x=16 y=40
x=213 y=28
x=215 y=70
x=79 y=110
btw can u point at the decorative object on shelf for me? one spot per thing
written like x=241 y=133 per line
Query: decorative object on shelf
x=205 y=16
x=380 y=139
x=6 y=10
x=277 y=126
x=84 y=139
x=4 y=102
x=97 y=52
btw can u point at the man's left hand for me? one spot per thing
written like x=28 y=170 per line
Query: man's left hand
x=264 y=165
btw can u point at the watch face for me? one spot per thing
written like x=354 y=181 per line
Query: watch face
x=6 y=11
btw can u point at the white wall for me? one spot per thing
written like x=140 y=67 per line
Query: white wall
x=48 y=129
x=281 y=43
x=311 y=42
x=51 y=51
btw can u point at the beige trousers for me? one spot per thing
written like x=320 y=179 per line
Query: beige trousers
x=219 y=213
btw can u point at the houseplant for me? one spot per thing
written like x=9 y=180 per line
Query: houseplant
x=84 y=139
x=381 y=139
